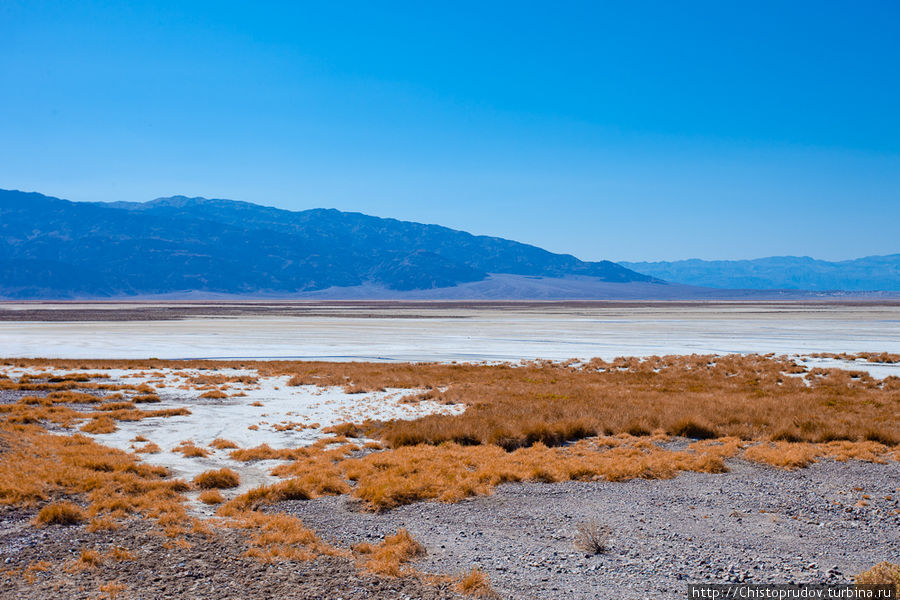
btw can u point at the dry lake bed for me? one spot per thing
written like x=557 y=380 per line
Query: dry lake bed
x=441 y=331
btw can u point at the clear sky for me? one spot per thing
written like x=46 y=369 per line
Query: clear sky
x=628 y=130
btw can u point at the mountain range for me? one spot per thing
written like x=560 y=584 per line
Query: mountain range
x=781 y=272
x=53 y=248
x=181 y=247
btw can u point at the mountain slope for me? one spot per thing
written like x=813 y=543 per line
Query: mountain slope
x=52 y=248
x=780 y=272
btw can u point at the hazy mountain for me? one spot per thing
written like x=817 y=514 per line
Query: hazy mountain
x=52 y=248
x=780 y=272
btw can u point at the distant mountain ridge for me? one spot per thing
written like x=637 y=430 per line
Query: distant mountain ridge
x=53 y=248
x=881 y=273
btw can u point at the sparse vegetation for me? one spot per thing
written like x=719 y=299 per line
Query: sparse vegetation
x=476 y=584
x=543 y=421
x=212 y=496
x=222 y=444
x=279 y=537
x=387 y=557
x=88 y=559
x=451 y=472
x=218 y=479
x=146 y=399
x=60 y=513
x=190 y=450
x=592 y=536
x=883 y=573
x=118 y=554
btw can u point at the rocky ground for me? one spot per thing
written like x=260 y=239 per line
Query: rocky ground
x=212 y=568
x=756 y=524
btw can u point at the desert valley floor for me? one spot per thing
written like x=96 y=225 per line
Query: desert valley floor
x=441 y=450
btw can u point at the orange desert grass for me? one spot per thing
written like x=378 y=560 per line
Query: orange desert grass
x=792 y=455
x=88 y=558
x=104 y=523
x=217 y=478
x=190 y=450
x=146 y=399
x=476 y=584
x=387 y=557
x=451 y=472
x=753 y=397
x=60 y=513
x=36 y=465
x=100 y=424
x=112 y=589
x=149 y=448
x=290 y=489
x=222 y=444
x=275 y=537
x=883 y=573
x=213 y=496
x=119 y=554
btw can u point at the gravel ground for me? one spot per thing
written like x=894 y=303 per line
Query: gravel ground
x=212 y=569
x=754 y=524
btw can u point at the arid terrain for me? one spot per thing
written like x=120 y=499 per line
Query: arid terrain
x=587 y=477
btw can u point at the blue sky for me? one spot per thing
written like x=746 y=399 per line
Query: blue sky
x=627 y=131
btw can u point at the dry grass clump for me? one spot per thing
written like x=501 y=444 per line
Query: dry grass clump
x=476 y=584
x=149 y=448
x=279 y=537
x=214 y=394
x=219 y=379
x=317 y=471
x=212 y=496
x=451 y=472
x=191 y=450
x=104 y=523
x=112 y=589
x=347 y=430
x=119 y=554
x=28 y=574
x=290 y=426
x=146 y=399
x=222 y=444
x=60 y=513
x=88 y=558
x=262 y=452
x=592 y=536
x=68 y=396
x=387 y=557
x=217 y=478
x=793 y=455
x=100 y=424
x=117 y=406
x=291 y=489
x=883 y=573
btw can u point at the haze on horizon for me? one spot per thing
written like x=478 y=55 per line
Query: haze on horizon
x=642 y=132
